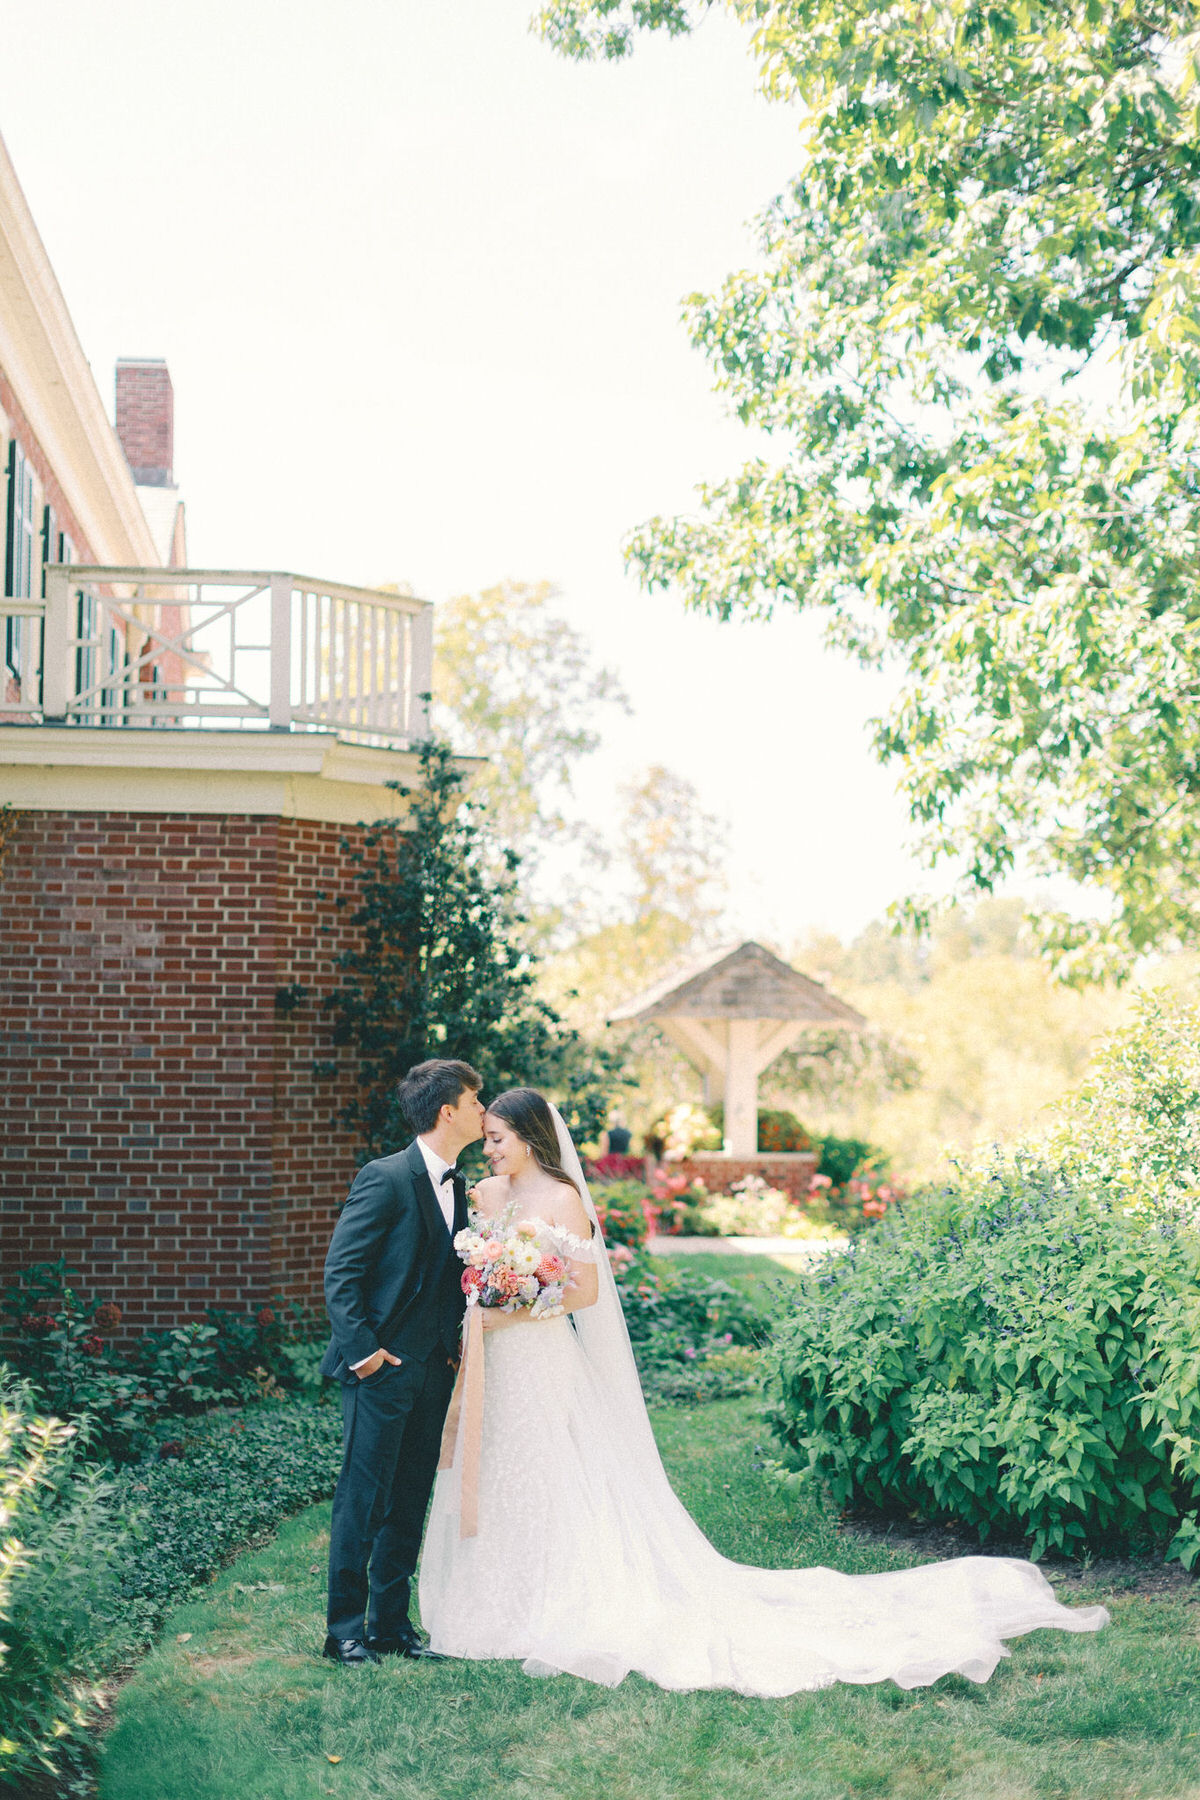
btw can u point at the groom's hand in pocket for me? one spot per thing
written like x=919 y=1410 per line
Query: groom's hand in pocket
x=363 y=1369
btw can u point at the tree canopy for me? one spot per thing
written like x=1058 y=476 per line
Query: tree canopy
x=974 y=328
x=513 y=681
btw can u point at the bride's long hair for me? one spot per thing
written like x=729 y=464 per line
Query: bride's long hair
x=529 y=1115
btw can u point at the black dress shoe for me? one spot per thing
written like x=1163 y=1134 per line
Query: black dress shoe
x=409 y=1645
x=350 y=1652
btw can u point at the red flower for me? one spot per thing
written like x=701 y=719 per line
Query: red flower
x=472 y=1280
x=264 y=1317
x=108 y=1316
x=38 y=1324
x=93 y=1345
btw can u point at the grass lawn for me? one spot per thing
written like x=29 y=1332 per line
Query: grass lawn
x=235 y=1703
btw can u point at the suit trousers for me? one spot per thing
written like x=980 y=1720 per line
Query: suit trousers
x=392 y=1430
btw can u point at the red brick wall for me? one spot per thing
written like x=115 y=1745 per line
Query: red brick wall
x=145 y=419
x=314 y=1159
x=791 y=1173
x=163 y=1129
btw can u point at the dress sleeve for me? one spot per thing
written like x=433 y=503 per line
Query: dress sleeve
x=577 y=1248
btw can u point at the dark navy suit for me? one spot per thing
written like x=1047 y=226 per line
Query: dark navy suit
x=392 y=1282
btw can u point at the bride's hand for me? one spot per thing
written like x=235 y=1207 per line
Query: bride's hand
x=495 y=1319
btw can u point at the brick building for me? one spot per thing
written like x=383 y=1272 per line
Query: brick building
x=183 y=754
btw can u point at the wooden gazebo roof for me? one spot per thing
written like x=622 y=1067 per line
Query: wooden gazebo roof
x=745 y=982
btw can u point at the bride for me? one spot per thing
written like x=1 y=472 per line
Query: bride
x=584 y=1562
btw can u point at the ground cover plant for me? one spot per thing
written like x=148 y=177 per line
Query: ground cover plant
x=235 y=1700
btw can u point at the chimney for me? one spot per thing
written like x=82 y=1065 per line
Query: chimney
x=146 y=419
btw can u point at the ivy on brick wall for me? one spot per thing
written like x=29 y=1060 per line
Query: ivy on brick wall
x=439 y=965
x=9 y=820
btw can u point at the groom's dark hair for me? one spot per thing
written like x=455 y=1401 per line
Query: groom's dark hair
x=429 y=1086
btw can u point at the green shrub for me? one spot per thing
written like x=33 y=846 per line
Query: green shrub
x=60 y=1538
x=624 y=1210
x=1017 y=1354
x=91 y=1560
x=61 y=1343
x=841 y=1158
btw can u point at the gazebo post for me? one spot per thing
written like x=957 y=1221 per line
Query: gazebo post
x=741 y=1088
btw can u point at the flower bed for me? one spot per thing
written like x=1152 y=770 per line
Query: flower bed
x=694 y=1337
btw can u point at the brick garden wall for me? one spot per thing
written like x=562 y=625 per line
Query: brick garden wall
x=162 y=1126
x=791 y=1172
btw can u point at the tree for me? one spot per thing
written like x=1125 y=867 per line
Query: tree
x=973 y=1039
x=672 y=853
x=989 y=201
x=513 y=682
x=438 y=967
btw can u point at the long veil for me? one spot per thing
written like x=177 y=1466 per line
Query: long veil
x=614 y=1574
x=605 y=1338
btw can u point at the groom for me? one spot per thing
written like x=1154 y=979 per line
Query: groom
x=392 y=1287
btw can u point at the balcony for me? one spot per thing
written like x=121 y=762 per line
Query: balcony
x=225 y=649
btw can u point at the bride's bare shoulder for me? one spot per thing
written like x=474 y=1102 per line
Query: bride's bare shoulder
x=488 y=1196
x=566 y=1208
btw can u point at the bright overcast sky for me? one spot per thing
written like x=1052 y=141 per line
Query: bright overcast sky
x=418 y=282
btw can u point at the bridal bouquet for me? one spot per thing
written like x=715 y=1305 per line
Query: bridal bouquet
x=512 y=1266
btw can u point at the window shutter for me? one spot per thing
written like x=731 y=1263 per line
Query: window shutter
x=50 y=540
x=14 y=511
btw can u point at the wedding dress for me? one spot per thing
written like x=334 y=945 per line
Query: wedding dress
x=584 y=1561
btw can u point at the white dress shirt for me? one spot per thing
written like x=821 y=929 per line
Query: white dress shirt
x=437 y=1166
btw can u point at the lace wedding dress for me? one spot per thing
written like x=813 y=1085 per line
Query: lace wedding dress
x=586 y=1563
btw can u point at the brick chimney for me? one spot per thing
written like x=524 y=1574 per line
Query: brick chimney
x=146 y=419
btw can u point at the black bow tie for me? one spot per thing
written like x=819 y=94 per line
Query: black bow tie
x=450 y=1174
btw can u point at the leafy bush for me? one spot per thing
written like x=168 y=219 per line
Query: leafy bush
x=91 y=1560
x=781 y=1131
x=625 y=1212
x=725 y=1374
x=778 y=1130
x=59 y=1541
x=61 y=1343
x=1133 y=1126
x=1017 y=1354
x=841 y=1158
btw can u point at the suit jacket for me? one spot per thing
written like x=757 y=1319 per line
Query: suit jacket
x=392 y=1278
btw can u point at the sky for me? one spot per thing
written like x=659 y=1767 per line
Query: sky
x=419 y=283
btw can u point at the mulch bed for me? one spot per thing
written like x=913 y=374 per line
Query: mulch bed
x=1148 y=1576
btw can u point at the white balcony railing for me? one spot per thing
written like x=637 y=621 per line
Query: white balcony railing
x=221 y=647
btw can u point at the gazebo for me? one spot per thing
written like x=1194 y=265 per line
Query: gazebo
x=731 y=1015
